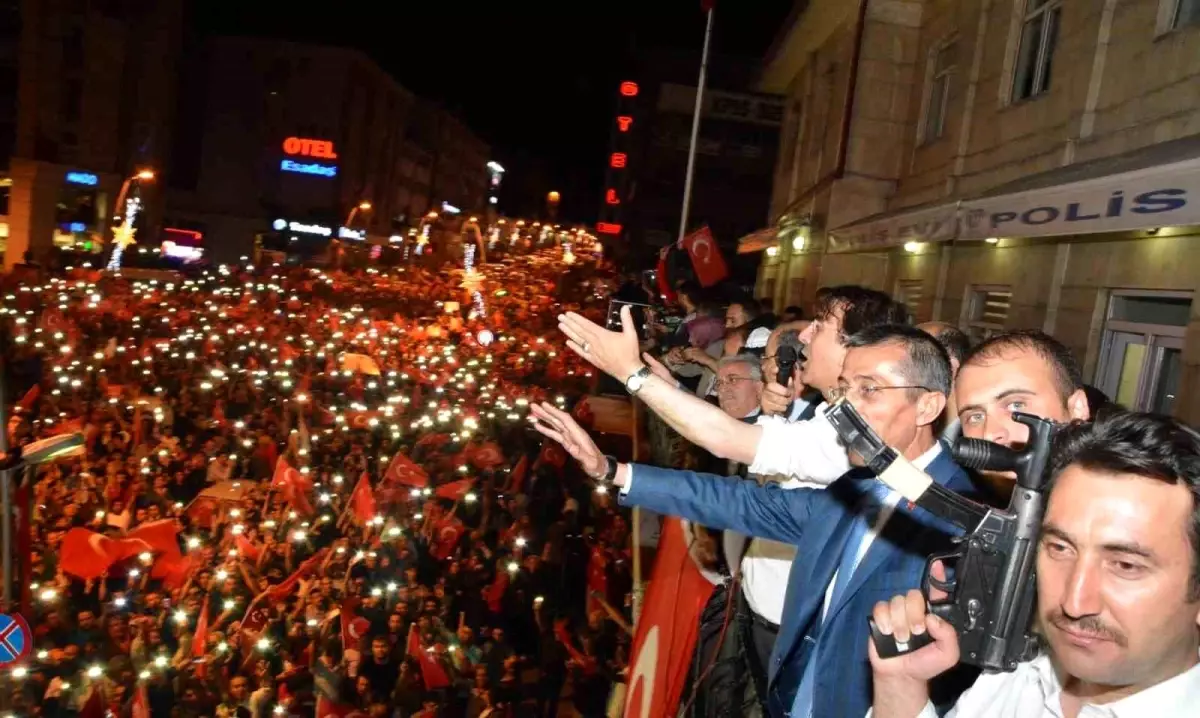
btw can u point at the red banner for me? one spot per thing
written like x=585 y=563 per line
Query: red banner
x=666 y=630
x=706 y=257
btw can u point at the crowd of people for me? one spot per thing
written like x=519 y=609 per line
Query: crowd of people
x=311 y=492
x=805 y=542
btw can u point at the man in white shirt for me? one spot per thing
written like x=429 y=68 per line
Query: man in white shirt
x=1118 y=581
x=806 y=450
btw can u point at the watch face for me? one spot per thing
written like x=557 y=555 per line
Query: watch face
x=635 y=382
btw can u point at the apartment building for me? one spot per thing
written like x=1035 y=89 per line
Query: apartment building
x=1000 y=164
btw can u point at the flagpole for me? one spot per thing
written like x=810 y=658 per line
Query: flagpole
x=691 y=162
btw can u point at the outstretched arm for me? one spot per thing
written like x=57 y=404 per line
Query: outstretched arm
x=701 y=423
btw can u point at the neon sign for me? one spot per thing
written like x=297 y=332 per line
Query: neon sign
x=629 y=89
x=610 y=196
x=608 y=228
x=84 y=178
x=302 y=228
x=624 y=122
x=347 y=233
x=617 y=160
x=306 y=168
x=320 y=149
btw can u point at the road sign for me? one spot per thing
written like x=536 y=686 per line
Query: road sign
x=16 y=640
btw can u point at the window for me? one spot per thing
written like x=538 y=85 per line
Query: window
x=1141 y=358
x=1181 y=14
x=987 y=311
x=1035 y=55
x=909 y=291
x=943 y=63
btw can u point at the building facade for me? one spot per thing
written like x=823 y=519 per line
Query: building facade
x=1001 y=164
x=88 y=100
x=300 y=144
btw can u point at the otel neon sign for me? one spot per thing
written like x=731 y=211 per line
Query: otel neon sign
x=316 y=149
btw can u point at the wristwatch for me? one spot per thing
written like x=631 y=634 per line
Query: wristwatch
x=610 y=470
x=634 y=383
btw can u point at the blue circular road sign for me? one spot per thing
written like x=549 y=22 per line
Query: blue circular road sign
x=16 y=639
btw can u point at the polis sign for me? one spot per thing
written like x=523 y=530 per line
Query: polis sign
x=309 y=148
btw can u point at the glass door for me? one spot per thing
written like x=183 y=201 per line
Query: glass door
x=1142 y=371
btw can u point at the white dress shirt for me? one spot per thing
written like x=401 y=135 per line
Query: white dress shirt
x=809 y=451
x=1033 y=691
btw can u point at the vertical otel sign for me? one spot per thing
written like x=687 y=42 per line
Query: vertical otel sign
x=300 y=150
x=616 y=172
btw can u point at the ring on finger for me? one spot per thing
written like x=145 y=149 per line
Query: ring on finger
x=586 y=347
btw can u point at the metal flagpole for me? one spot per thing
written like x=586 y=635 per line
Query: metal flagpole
x=691 y=162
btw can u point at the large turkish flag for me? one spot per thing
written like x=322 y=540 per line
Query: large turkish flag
x=706 y=257
x=667 y=628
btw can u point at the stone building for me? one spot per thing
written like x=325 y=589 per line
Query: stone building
x=1000 y=164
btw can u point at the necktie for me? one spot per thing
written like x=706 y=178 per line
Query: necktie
x=868 y=510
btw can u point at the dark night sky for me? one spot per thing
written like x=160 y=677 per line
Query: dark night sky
x=536 y=80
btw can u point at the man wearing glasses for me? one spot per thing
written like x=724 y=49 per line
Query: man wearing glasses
x=857 y=543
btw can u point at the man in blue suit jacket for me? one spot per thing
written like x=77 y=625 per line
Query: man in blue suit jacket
x=857 y=543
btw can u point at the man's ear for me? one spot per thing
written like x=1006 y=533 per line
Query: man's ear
x=929 y=407
x=1077 y=406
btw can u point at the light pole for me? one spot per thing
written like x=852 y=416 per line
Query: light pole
x=123 y=233
x=146 y=175
x=365 y=206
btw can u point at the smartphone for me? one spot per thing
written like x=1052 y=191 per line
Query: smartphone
x=639 y=312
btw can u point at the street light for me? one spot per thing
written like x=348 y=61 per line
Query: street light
x=141 y=175
x=365 y=206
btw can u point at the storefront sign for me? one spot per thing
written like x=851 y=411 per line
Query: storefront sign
x=308 y=168
x=1161 y=196
x=1167 y=195
x=347 y=233
x=320 y=149
x=315 y=149
x=302 y=228
x=84 y=178
x=932 y=224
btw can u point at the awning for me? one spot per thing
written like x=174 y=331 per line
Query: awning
x=757 y=241
x=936 y=223
x=1156 y=186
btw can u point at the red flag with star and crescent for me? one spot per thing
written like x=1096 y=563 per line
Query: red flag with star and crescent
x=293 y=485
x=667 y=628
x=706 y=257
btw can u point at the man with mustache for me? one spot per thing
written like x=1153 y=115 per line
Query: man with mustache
x=1118 y=579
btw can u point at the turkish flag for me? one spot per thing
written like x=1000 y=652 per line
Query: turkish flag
x=354 y=627
x=200 y=637
x=445 y=537
x=666 y=630
x=432 y=672
x=362 y=419
x=552 y=454
x=328 y=709
x=660 y=273
x=487 y=456
x=454 y=490
x=706 y=257
x=258 y=615
x=362 y=500
x=280 y=592
x=294 y=486
x=402 y=470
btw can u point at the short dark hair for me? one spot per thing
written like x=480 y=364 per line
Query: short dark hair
x=1068 y=378
x=861 y=308
x=927 y=366
x=1151 y=446
x=796 y=311
x=954 y=340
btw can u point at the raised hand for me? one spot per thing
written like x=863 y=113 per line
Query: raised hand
x=558 y=425
x=614 y=353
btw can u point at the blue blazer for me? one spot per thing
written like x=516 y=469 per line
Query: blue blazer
x=818 y=522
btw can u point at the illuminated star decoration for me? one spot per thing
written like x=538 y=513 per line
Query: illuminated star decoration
x=123 y=233
x=472 y=280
